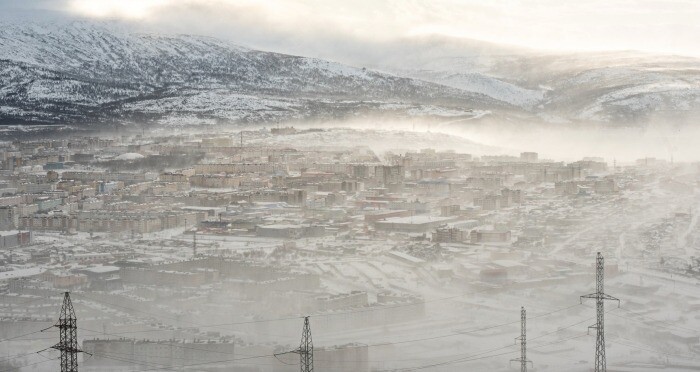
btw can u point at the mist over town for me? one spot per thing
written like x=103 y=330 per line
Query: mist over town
x=298 y=185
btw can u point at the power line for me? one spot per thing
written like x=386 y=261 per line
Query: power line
x=286 y=318
x=178 y=345
x=656 y=351
x=111 y=352
x=511 y=345
x=28 y=365
x=471 y=330
x=672 y=325
x=429 y=338
x=481 y=355
x=567 y=327
x=27 y=301
x=173 y=343
x=118 y=334
x=33 y=339
x=24 y=335
x=260 y=356
x=599 y=295
x=184 y=321
x=205 y=363
x=645 y=323
x=235 y=360
x=461 y=359
x=10 y=357
x=132 y=361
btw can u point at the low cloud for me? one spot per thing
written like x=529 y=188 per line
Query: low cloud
x=325 y=28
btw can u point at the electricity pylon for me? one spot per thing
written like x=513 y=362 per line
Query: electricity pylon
x=599 y=326
x=523 y=343
x=306 y=349
x=68 y=336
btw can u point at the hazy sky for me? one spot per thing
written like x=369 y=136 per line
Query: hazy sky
x=309 y=26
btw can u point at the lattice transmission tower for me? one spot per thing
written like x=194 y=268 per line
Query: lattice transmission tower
x=523 y=342
x=306 y=349
x=68 y=336
x=599 y=326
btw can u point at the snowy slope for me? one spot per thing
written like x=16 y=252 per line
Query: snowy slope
x=81 y=71
x=620 y=94
x=626 y=88
x=490 y=86
x=78 y=72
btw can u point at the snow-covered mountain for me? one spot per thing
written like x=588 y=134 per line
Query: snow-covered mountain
x=614 y=87
x=633 y=88
x=82 y=72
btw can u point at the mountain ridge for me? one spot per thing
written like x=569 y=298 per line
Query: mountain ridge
x=83 y=72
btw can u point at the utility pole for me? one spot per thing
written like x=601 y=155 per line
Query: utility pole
x=523 y=343
x=599 y=326
x=306 y=349
x=68 y=336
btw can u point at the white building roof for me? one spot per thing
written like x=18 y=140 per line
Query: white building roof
x=102 y=269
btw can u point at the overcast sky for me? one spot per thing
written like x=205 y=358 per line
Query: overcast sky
x=311 y=27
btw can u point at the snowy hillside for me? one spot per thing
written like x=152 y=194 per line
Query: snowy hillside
x=587 y=89
x=89 y=72
x=78 y=72
x=626 y=93
x=614 y=88
x=490 y=86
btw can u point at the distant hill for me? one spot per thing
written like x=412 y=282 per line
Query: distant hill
x=85 y=72
x=617 y=88
x=89 y=73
